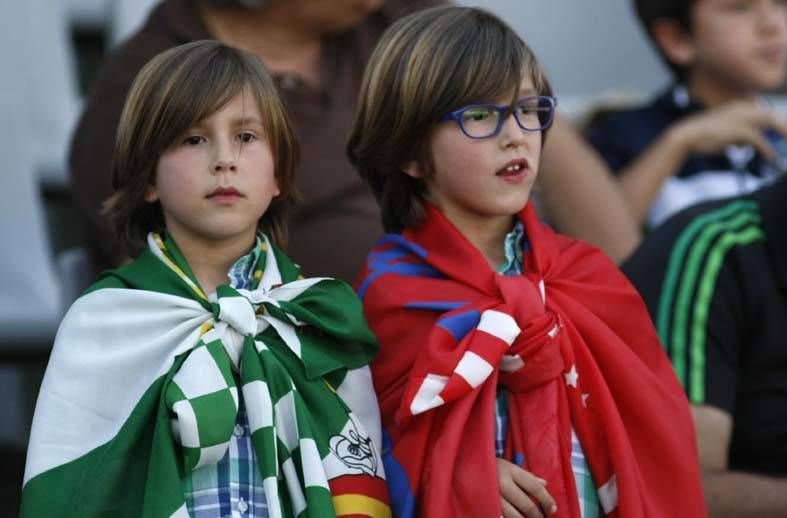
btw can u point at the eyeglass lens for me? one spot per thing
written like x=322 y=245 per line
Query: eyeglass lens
x=482 y=121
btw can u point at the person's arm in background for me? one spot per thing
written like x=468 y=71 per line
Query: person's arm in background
x=709 y=362
x=708 y=132
x=581 y=197
x=732 y=494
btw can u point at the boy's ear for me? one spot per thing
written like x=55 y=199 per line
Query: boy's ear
x=151 y=193
x=674 y=41
x=413 y=169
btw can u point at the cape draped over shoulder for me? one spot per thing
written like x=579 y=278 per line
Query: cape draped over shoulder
x=144 y=381
x=569 y=339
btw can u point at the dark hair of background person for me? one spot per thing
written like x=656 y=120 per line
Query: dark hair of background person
x=650 y=11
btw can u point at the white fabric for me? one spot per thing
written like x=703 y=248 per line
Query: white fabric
x=499 y=325
x=473 y=368
x=679 y=193
x=155 y=328
x=427 y=396
x=608 y=495
x=259 y=416
x=511 y=363
x=362 y=403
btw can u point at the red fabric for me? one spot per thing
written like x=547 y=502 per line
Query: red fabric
x=627 y=408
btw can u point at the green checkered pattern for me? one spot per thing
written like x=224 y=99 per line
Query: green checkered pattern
x=263 y=334
x=204 y=398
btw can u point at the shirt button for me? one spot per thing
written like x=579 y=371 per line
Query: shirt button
x=242 y=505
x=238 y=430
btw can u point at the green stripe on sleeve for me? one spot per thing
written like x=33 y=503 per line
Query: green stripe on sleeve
x=702 y=304
x=674 y=268
x=683 y=281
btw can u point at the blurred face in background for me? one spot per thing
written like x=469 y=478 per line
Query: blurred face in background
x=329 y=16
x=740 y=43
x=320 y=16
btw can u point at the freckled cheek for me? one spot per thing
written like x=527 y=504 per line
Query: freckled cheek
x=460 y=158
x=256 y=158
x=535 y=156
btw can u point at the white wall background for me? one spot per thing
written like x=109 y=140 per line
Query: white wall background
x=588 y=47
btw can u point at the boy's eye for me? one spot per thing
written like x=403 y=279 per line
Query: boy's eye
x=246 y=137
x=193 y=140
x=533 y=107
x=738 y=5
x=478 y=114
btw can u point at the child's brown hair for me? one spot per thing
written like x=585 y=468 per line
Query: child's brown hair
x=427 y=64
x=172 y=93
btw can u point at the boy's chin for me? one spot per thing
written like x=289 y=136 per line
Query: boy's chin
x=515 y=208
x=767 y=80
x=774 y=83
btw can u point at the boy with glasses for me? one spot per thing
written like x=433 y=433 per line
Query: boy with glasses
x=514 y=361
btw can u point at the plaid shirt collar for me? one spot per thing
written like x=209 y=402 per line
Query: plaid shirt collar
x=242 y=271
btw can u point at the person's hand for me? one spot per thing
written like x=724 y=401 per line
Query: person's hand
x=522 y=494
x=736 y=123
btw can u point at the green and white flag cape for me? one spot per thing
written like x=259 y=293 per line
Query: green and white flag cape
x=140 y=388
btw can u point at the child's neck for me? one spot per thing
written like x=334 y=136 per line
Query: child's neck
x=487 y=235
x=210 y=261
x=713 y=92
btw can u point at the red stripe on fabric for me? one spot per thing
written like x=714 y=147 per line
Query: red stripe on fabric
x=489 y=347
x=373 y=487
x=456 y=387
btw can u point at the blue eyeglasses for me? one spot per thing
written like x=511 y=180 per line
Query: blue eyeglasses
x=480 y=121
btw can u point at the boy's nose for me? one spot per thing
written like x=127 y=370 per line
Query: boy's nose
x=511 y=133
x=771 y=14
x=226 y=158
x=223 y=166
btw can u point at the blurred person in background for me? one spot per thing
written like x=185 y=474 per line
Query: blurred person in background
x=714 y=278
x=711 y=135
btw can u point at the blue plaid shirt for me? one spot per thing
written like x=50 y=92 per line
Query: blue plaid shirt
x=233 y=486
x=515 y=245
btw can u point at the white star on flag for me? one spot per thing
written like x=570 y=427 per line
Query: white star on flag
x=572 y=376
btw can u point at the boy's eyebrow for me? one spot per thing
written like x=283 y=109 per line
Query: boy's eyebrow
x=246 y=121
x=239 y=122
x=528 y=91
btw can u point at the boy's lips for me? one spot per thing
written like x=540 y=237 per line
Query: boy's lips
x=224 y=195
x=514 y=170
x=774 y=53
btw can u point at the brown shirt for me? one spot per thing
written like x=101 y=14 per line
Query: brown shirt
x=337 y=221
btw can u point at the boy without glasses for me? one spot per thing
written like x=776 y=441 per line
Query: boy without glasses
x=710 y=135
x=514 y=361
x=207 y=377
